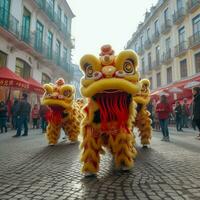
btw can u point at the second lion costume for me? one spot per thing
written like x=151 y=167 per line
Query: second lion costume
x=64 y=113
x=110 y=82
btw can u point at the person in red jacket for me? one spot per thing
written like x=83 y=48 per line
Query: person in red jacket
x=163 y=110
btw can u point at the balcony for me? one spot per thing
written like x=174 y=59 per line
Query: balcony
x=41 y=51
x=194 y=40
x=140 y=51
x=179 y=16
x=156 y=64
x=9 y=22
x=193 y=5
x=167 y=57
x=166 y=27
x=55 y=19
x=147 y=44
x=181 y=49
x=156 y=37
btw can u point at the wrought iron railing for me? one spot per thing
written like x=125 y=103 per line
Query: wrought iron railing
x=9 y=22
x=194 y=39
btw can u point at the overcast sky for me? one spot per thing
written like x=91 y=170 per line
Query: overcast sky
x=99 y=22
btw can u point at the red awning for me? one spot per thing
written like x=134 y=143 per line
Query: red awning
x=35 y=86
x=10 y=79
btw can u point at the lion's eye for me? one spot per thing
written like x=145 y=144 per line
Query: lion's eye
x=89 y=71
x=128 y=66
x=67 y=93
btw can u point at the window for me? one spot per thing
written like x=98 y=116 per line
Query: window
x=167 y=44
x=45 y=78
x=166 y=15
x=148 y=34
x=58 y=52
x=59 y=13
x=22 y=69
x=180 y=4
x=4 y=12
x=181 y=35
x=157 y=54
x=39 y=36
x=50 y=8
x=3 y=59
x=136 y=47
x=26 y=21
x=196 y=25
x=151 y=83
x=169 y=75
x=197 y=62
x=65 y=55
x=158 y=76
x=149 y=61
x=183 y=68
x=65 y=23
x=141 y=41
x=156 y=26
x=143 y=66
x=49 y=44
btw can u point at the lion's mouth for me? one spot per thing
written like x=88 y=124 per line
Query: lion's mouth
x=55 y=114
x=113 y=107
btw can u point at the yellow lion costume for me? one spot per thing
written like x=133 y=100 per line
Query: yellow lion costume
x=143 y=121
x=109 y=84
x=64 y=111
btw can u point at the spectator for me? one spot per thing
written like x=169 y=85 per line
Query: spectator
x=196 y=107
x=14 y=109
x=35 y=116
x=3 y=116
x=185 y=113
x=163 y=111
x=43 y=112
x=178 y=116
x=23 y=115
x=191 y=117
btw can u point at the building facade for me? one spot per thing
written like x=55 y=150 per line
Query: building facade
x=168 y=42
x=35 y=38
x=76 y=80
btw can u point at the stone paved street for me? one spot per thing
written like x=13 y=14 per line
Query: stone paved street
x=29 y=169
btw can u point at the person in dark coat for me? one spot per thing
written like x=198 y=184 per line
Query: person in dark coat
x=23 y=115
x=3 y=116
x=178 y=114
x=14 y=109
x=43 y=113
x=196 y=107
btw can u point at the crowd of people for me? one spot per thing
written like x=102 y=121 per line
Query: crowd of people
x=162 y=114
x=183 y=115
x=21 y=115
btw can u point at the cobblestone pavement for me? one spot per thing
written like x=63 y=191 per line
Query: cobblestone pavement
x=29 y=169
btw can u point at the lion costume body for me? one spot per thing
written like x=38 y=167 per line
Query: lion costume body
x=64 y=111
x=143 y=121
x=109 y=84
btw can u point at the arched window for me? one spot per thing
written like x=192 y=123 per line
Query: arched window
x=23 y=69
x=45 y=78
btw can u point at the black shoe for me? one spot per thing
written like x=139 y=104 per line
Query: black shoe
x=15 y=135
x=25 y=135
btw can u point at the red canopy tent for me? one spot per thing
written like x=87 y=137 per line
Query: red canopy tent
x=10 y=79
x=35 y=86
x=186 y=92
